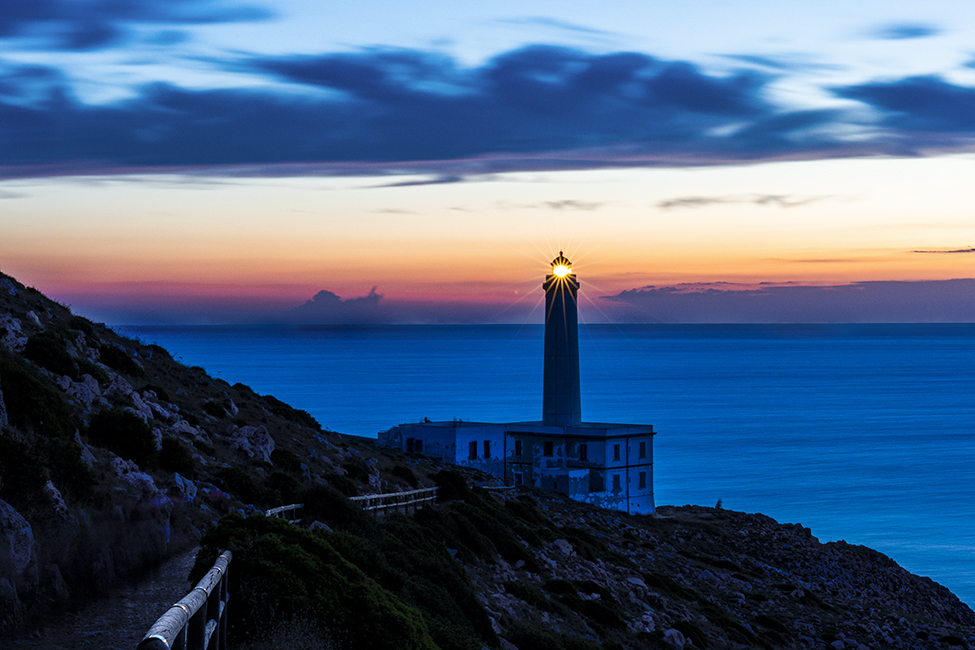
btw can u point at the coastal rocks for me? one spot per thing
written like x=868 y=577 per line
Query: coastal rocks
x=11 y=334
x=84 y=392
x=675 y=638
x=137 y=483
x=564 y=547
x=58 y=506
x=181 y=489
x=230 y=407
x=33 y=318
x=256 y=442
x=18 y=561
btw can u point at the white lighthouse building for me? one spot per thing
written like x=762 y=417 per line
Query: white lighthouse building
x=609 y=465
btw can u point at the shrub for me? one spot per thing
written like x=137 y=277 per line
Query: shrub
x=452 y=485
x=82 y=324
x=241 y=484
x=159 y=350
x=31 y=401
x=21 y=473
x=49 y=351
x=356 y=472
x=125 y=434
x=175 y=457
x=119 y=360
x=204 y=447
x=692 y=632
x=214 y=409
x=406 y=474
x=282 y=489
x=286 y=460
x=88 y=367
x=285 y=573
x=344 y=485
x=288 y=412
x=158 y=390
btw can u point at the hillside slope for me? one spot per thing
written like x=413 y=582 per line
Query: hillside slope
x=114 y=456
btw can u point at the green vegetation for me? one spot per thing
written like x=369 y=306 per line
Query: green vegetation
x=175 y=457
x=120 y=360
x=285 y=573
x=215 y=409
x=50 y=351
x=124 y=434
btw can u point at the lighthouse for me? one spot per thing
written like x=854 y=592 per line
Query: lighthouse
x=607 y=465
x=561 y=403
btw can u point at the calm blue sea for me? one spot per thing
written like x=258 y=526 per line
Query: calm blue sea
x=861 y=432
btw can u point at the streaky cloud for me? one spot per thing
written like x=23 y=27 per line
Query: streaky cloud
x=905 y=31
x=859 y=302
x=410 y=112
x=777 y=200
x=958 y=250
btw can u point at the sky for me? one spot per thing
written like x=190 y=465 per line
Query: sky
x=224 y=161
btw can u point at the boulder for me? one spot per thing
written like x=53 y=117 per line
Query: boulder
x=231 y=408
x=84 y=392
x=317 y=525
x=181 y=489
x=118 y=387
x=256 y=442
x=564 y=547
x=674 y=638
x=58 y=506
x=18 y=559
x=32 y=317
x=11 y=334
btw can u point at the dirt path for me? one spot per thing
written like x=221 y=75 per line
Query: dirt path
x=117 y=621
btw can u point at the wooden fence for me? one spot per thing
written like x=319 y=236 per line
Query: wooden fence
x=191 y=623
x=396 y=501
x=290 y=513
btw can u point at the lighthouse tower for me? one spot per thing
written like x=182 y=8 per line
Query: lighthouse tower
x=561 y=403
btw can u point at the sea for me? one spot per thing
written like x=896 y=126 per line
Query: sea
x=864 y=433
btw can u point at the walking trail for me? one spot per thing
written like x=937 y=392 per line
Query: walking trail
x=117 y=621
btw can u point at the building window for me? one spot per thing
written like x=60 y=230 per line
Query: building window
x=487 y=448
x=616 y=483
x=409 y=445
x=519 y=478
x=643 y=480
x=596 y=482
x=643 y=450
x=517 y=447
x=418 y=445
x=472 y=450
x=583 y=452
x=616 y=452
x=549 y=449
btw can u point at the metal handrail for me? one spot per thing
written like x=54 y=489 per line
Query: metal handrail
x=379 y=503
x=282 y=512
x=191 y=623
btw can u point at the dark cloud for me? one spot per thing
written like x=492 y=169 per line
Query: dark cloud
x=406 y=111
x=777 y=200
x=436 y=180
x=95 y=24
x=860 y=302
x=904 y=31
x=957 y=250
x=326 y=308
x=572 y=204
x=927 y=104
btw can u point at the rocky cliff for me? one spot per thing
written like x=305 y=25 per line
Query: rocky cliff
x=113 y=456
